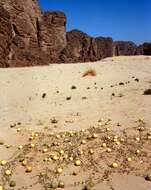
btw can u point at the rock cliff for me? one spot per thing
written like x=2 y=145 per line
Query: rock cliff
x=29 y=37
x=124 y=48
x=145 y=48
x=5 y=37
x=52 y=34
x=83 y=48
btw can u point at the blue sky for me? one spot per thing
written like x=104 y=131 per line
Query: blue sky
x=120 y=19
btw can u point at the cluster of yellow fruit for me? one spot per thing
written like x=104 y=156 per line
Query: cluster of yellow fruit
x=1 y=187
x=3 y=162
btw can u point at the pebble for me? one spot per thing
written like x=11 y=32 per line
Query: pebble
x=12 y=184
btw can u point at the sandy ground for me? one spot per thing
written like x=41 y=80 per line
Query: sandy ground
x=57 y=100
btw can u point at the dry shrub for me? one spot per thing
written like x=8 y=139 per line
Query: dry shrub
x=89 y=72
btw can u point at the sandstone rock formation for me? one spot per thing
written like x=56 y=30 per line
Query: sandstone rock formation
x=140 y=50
x=124 y=48
x=104 y=47
x=24 y=16
x=52 y=34
x=29 y=37
x=37 y=38
x=146 y=48
x=5 y=37
x=79 y=47
x=83 y=48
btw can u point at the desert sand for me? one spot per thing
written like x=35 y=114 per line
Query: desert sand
x=52 y=116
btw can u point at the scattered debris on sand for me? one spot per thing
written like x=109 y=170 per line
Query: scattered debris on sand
x=44 y=95
x=147 y=92
x=97 y=151
x=76 y=132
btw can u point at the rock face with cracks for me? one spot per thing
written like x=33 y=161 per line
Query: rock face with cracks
x=83 y=48
x=124 y=48
x=145 y=48
x=29 y=37
x=33 y=38
x=52 y=34
x=5 y=37
x=24 y=16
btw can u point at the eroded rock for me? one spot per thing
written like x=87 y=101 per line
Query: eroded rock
x=124 y=48
x=29 y=37
x=52 y=34
x=5 y=37
x=84 y=48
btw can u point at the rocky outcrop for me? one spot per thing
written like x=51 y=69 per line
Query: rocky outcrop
x=37 y=38
x=146 y=48
x=79 y=47
x=29 y=37
x=130 y=48
x=83 y=48
x=124 y=48
x=24 y=16
x=52 y=34
x=104 y=47
x=139 y=50
x=5 y=37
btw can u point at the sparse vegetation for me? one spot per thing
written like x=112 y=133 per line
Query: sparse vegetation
x=89 y=72
x=84 y=148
